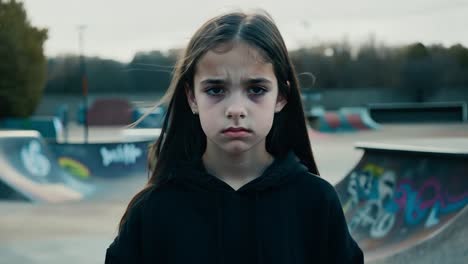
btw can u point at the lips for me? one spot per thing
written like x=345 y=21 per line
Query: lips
x=236 y=129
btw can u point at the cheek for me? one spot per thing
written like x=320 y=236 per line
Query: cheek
x=265 y=121
x=207 y=122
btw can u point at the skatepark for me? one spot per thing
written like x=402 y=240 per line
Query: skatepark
x=383 y=90
x=73 y=220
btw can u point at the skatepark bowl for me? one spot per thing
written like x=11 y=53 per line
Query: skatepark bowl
x=404 y=195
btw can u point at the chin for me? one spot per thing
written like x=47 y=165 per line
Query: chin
x=236 y=148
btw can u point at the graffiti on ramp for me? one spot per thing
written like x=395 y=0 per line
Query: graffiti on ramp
x=394 y=199
x=30 y=172
x=103 y=159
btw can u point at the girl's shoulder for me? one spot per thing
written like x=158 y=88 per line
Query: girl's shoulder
x=157 y=198
x=314 y=187
x=310 y=180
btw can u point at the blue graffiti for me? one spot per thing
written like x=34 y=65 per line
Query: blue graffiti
x=416 y=210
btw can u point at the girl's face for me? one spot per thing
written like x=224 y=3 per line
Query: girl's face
x=235 y=87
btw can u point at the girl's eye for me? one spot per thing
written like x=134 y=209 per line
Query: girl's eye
x=257 y=90
x=218 y=91
x=214 y=91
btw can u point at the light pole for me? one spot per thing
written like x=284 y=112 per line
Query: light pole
x=84 y=80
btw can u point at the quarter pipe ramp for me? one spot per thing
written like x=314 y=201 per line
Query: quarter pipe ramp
x=29 y=171
x=401 y=194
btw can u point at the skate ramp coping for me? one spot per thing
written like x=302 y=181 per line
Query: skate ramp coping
x=403 y=192
x=449 y=146
x=140 y=134
x=30 y=172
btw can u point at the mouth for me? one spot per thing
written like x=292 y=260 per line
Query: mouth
x=237 y=132
x=236 y=129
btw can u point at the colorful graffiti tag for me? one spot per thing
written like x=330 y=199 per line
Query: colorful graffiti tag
x=377 y=187
x=34 y=160
x=384 y=198
x=74 y=167
x=427 y=202
x=391 y=198
x=125 y=153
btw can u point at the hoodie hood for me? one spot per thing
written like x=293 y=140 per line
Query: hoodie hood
x=282 y=171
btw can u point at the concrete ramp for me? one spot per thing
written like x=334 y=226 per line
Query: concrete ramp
x=359 y=118
x=29 y=171
x=402 y=194
x=349 y=119
x=108 y=160
x=447 y=245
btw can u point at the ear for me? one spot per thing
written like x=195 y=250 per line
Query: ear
x=191 y=99
x=281 y=101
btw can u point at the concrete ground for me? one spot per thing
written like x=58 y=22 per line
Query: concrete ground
x=79 y=232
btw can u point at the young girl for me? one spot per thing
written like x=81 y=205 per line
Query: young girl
x=234 y=179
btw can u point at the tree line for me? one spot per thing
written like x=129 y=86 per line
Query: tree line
x=22 y=61
x=325 y=66
x=25 y=73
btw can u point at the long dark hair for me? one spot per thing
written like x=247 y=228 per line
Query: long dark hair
x=182 y=137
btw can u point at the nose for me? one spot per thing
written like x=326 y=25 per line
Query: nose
x=236 y=109
x=235 y=112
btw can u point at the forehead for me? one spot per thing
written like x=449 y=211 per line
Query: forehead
x=232 y=59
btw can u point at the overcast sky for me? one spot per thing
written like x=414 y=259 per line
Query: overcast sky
x=117 y=29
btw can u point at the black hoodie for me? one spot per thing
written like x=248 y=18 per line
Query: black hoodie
x=287 y=215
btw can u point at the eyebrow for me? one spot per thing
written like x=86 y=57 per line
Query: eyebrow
x=249 y=81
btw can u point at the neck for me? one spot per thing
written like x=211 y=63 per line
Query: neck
x=236 y=169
